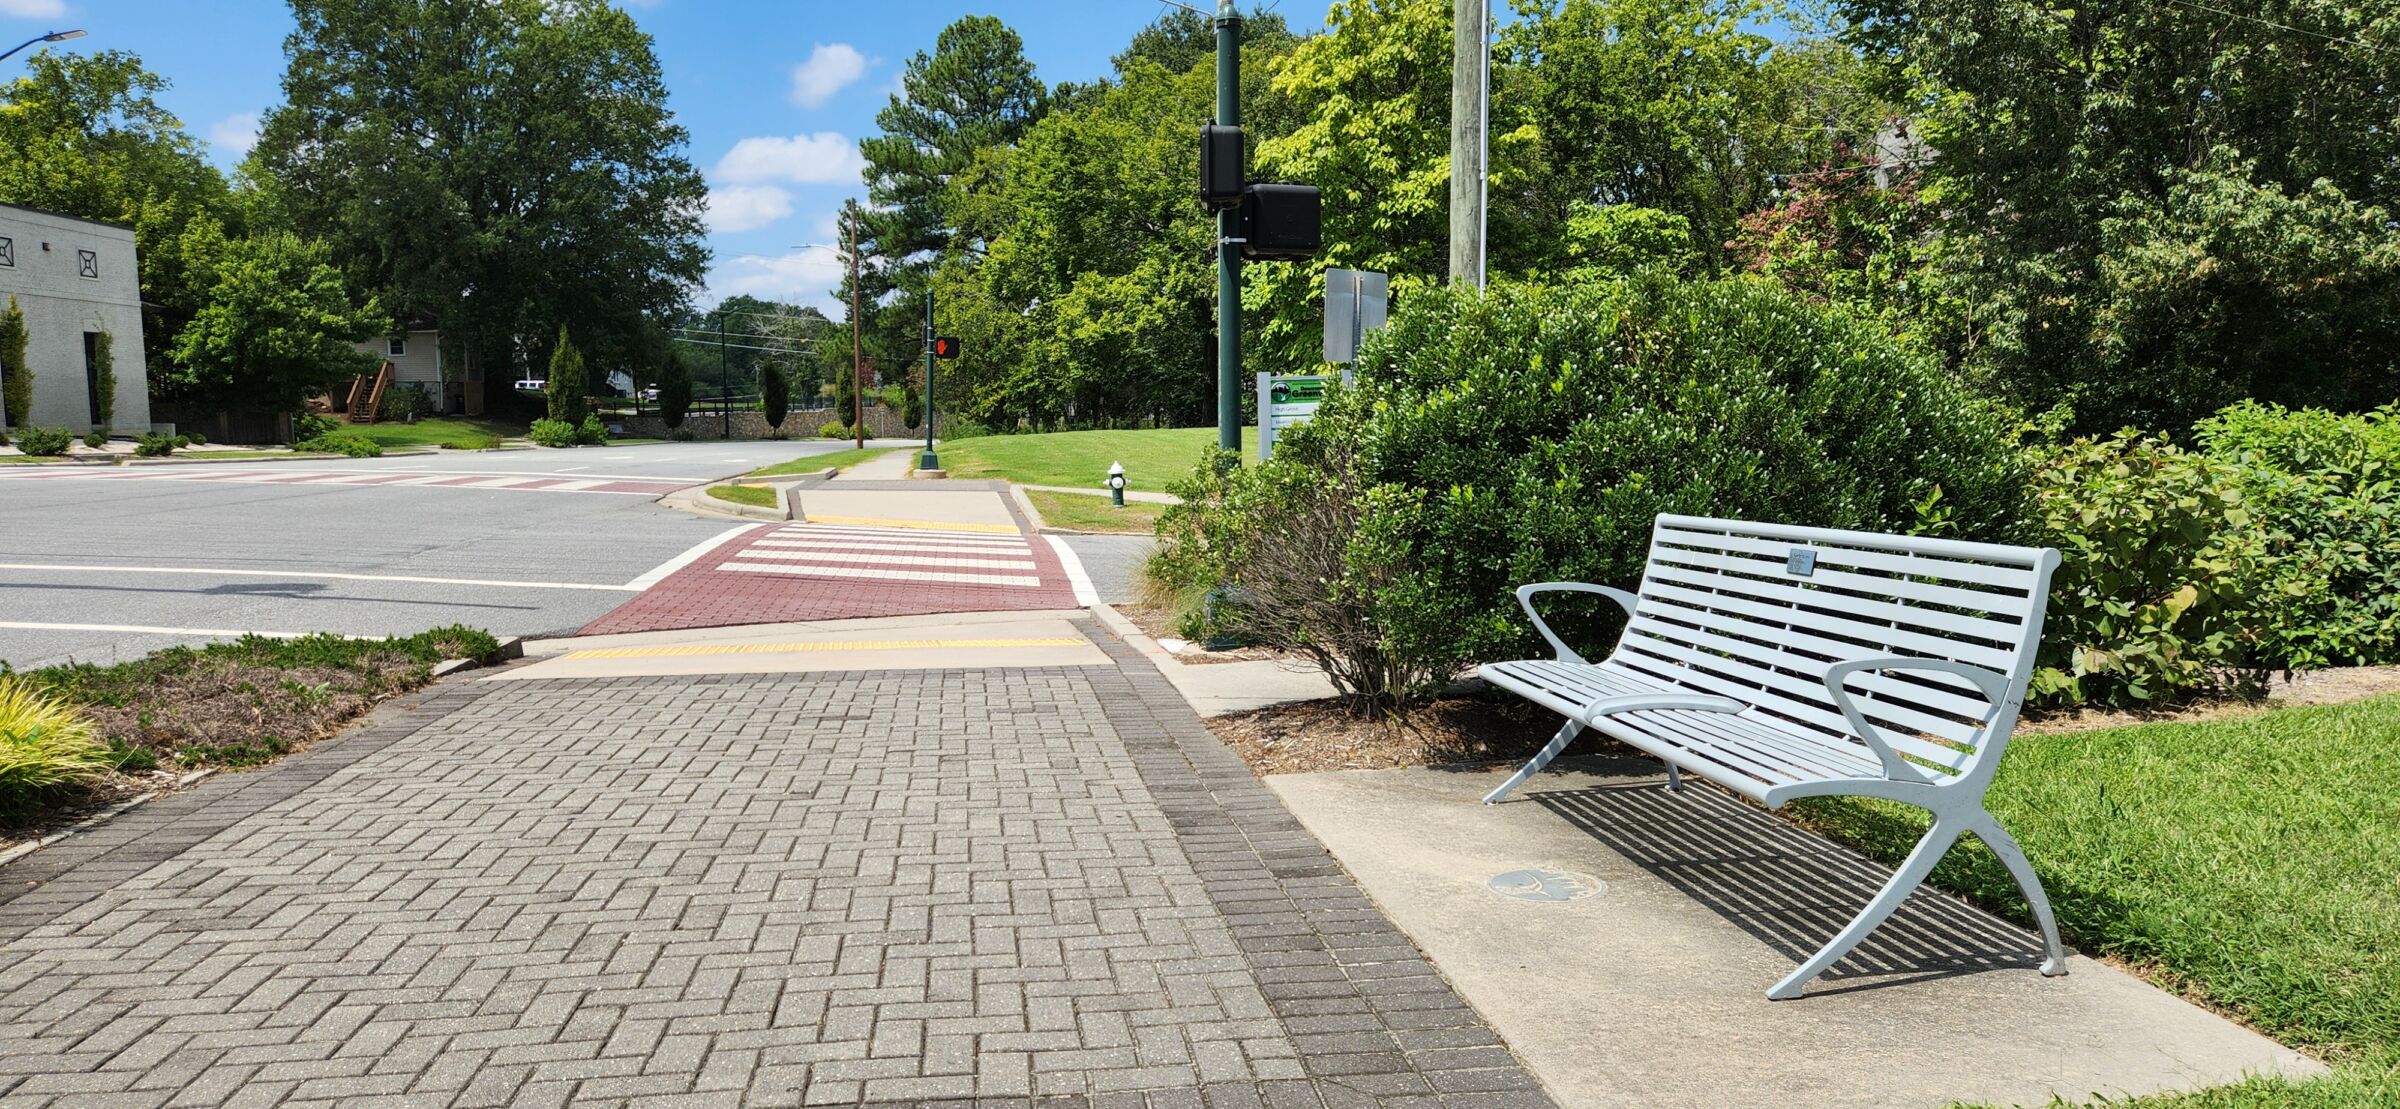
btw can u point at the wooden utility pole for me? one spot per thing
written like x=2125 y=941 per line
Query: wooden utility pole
x=1470 y=86
x=858 y=362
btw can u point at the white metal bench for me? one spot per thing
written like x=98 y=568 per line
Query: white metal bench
x=1784 y=662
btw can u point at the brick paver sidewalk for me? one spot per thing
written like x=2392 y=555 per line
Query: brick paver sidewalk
x=867 y=888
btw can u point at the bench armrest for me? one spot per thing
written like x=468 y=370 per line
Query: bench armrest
x=1525 y=600
x=1993 y=683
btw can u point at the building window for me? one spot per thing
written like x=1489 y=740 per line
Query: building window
x=395 y=346
x=8 y=252
x=87 y=263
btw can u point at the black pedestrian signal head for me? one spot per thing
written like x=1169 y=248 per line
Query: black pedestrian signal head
x=945 y=346
x=1220 y=166
x=1281 y=222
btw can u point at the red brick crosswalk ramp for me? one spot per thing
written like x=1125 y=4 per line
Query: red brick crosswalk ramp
x=809 y=571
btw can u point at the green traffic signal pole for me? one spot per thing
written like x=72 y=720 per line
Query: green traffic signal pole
x=928 y=461
x=1229 y=254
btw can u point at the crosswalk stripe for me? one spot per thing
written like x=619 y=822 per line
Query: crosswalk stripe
x=884 y=575
x=886 y=545
x=881 y=559
x=920 y=525
x=927 y=534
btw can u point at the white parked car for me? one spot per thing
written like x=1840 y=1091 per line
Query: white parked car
x=530 y=385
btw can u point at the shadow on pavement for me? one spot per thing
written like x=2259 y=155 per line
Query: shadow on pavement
x=1789 y=889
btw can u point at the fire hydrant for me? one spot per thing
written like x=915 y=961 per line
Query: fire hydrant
x=1116 y=484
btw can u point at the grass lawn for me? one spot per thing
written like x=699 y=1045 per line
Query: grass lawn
x=2248 y=862
x=1081 y=458
x=759 y=496
x=433 y=432
x=1078 y=512
x=815 y=462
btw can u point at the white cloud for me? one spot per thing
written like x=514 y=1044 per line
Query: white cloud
x=746 y=207
x=809 y=275
x=236 y=133
x=824 y=158
x=33 y=9
x=828 y=70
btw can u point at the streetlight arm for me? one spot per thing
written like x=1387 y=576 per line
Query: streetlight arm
x=54 y=36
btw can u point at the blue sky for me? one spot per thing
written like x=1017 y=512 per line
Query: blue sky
x=775 y=93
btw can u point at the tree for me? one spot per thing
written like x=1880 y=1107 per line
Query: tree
x=1180 y=39
x=774 y=394
x=104 y=370
x=674 y=390
x=278 y=323
x=2154 y=208
x=85 y=135
x=566 y=387
x=912 y=400
x=17 y=396
x=510 y=166
x=975 y=91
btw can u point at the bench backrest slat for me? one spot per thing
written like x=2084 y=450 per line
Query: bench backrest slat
x=1727 y=606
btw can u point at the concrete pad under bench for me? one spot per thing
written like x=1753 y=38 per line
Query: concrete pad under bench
x=1636 y=976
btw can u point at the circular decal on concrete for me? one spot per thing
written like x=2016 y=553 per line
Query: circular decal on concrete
x=1544 y=885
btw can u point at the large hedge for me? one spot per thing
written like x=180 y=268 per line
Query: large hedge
x=1531 y=434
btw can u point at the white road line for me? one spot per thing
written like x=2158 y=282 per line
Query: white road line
x=571 y=469
x=889 y=559
x=313 y=575
x=1085 y=594
x=146 y=629
x=883 y=575
x=659 y=572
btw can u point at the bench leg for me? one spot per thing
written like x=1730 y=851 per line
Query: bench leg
x=1674 y=778
x=2013 y=857
x=1566 y=735
x=1937 y=841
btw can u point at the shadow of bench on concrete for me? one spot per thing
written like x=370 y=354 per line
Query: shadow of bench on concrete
x=1789 y=889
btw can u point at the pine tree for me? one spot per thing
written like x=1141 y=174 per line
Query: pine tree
x=774 y=394
x=566 y=387
x=19 y=386
x=674 y=390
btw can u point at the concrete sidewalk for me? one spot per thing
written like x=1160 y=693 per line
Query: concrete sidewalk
x=1644 y=984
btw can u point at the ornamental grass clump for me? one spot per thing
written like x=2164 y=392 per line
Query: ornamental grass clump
x=45 y=746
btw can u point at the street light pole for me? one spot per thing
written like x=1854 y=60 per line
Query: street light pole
x=928 y=460
x=54 y=36
x=858 y=358
x=1229 y=255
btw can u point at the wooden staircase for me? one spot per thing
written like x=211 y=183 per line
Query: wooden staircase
x=366 y=394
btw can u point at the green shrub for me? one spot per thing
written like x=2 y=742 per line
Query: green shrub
x=2157 y=595
x=591 y=433
x=1534 y=433
x=674 y=390
x=309 y=425
x=472 y=443
x=410 y=401
x=44 y=745
x=833 y=429
x=154 y=446
x=95 y=439
x=16 y=377
x=2327 y=492
x=552 y=433
x=959 y=427
x=195 y=438
x=352 y=445
x=104 y=382
x=774 y=394
x=44 y=440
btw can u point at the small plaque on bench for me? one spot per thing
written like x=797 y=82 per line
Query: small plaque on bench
x=1802 y=562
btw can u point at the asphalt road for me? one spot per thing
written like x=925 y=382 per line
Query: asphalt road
x=105 y=564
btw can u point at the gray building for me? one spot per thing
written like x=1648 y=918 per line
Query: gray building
x=75 y=279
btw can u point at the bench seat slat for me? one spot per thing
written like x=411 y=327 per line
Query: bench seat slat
x=1789 y=594
x=1823 y=759
x=2011 y=577
x=1898 y=640
x=1955 y=704
x=1732 y=674
x=1825 y=577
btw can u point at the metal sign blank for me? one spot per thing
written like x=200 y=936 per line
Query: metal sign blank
x=1356 y=302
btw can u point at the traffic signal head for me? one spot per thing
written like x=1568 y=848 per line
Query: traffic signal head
x=1281 y=222
x=1220 y=166
x=945 y=346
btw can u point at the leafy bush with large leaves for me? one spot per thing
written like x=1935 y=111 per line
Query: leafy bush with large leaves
x=1532 y=434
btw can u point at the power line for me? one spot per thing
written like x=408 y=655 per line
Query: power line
x=2263 y=22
